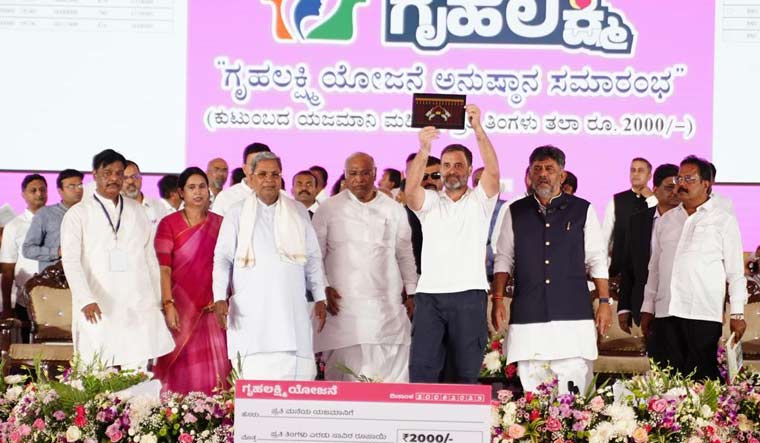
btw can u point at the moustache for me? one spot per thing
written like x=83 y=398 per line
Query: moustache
x=304 y=193
x=684 y=190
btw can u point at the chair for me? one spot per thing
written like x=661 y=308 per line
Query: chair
x=51 y=343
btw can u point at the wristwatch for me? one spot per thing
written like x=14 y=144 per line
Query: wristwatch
x=605 y=300
x=737 y=316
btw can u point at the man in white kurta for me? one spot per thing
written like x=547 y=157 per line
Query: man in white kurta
x=366 y=242
x=269 y=253
x=111 y=267
x=227 y=198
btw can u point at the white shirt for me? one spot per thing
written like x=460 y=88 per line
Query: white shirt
x=168 y=208
x=497 y=226
x=10 y=252
x=608 y=224
x=723 y=202
x=368 y=257
x=132 y=329
x=268 y=311
x=693 y=257
x=230 y=196
x=322 y=195
x=553 y=340
x=313 y=208
x=455 y=233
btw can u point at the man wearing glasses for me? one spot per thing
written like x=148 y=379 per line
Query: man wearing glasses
x=43 y=240
x=696 y=251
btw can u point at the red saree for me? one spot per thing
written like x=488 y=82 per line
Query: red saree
x=199 y=361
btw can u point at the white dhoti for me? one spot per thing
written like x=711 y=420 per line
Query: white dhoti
x=577 y=370
x=276 y=366
x=386 y=363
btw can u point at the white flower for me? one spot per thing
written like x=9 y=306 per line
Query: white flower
x=140 y=408
x=73 y=434
x=148 y=438
x=204 y=434
x=706 y=411
x=77 y=384
x=14 y=393
x=14 y=379
x=602 y=433
x=492 y=361
x=510 y=414
x=623 y=417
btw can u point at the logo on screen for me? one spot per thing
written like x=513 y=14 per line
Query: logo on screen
x=591 y=26
x=314 y=20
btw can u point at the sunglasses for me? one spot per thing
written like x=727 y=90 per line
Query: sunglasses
x=434 y=176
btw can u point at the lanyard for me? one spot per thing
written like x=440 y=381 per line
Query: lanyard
x=115 y=229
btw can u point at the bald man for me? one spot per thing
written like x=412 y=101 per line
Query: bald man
x=366 y=245
x=217 y=171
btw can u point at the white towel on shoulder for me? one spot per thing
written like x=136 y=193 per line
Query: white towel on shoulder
x=289 y=232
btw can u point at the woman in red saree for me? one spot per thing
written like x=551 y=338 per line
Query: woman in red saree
x=185 y=242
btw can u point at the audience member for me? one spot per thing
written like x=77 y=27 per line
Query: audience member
x=321 y=175
x=216 y=171
x=43 y=240
x=168 y=190
x=305 y=190
x=132 y=188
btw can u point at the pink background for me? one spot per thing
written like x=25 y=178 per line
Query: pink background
x=668 y=33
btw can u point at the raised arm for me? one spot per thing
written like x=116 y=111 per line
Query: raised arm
x=415 y=195
x=490 y=178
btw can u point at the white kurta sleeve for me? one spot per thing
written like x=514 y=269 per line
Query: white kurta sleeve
x=608 y=224
x=404 y=252
x=733 y=261
x=151 y=259
x=72 y=244
x=504 y=253
x=315 y=274
x=651 y=201
x=596 y=254
x=497 y=226
x=224 y=255
x=319 y=222
x=653 y=280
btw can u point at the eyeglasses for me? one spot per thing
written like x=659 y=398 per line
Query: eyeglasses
x=434 y=176
x=688 y=179
x=133 y=177
x=73 y=187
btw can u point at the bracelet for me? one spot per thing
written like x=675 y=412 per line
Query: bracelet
x=494 y=297
x=605 y=300
x=167 y=302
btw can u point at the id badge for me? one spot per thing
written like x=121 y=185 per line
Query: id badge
x=118 y=260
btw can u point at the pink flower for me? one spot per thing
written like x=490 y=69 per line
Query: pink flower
x=116 y=436
x=504 y=395
x=553 y=425
x=753 y=440
x=114 y=433
x=597 y=403
x=659 y=405
x=514 y=432
x=15 y=436
x=189 y=418
x=59 y=415
x=39 y=424
x=640 y=435
x=25 y=430
x=185 y=438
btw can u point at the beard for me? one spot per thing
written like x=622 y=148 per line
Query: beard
x=453 y=183
x=218 y=183
x=543 y=190
x=132 y=192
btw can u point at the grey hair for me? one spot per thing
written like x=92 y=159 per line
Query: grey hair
x=261 y=156
x=359 y=154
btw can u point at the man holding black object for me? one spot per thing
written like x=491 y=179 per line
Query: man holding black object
x=450 y=304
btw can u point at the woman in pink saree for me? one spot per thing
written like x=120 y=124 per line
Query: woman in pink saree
x=185 y=243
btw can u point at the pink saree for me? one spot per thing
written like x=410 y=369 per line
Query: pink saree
x=199 y=361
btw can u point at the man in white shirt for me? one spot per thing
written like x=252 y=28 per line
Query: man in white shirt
x=237 y=193
x=268 y=253
x=15 y=268
x=548 y=242
x=321 y=174
x=696 y=251
x=217 y=172
x=305 y=191
x=622 y=206
x=110 y=263
x=132 y=189
x=366 y=243
x=450 y=304
x=168 y=190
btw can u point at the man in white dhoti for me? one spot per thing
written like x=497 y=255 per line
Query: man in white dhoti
x=267 y=246
x=367 y=246
x=111 y=267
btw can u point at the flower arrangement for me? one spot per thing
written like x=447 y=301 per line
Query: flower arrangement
x=495 y=362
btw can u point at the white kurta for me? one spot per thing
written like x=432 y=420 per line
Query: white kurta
x=268 y=311
x=227 y=198
x=11 y=252
x=368 y=258
x=132 y=329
